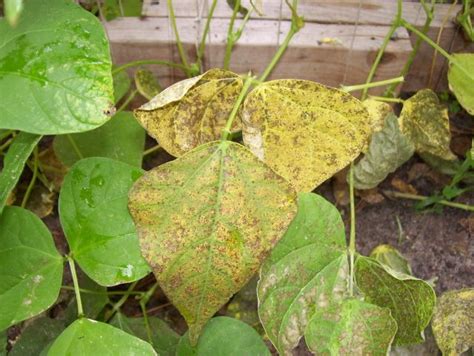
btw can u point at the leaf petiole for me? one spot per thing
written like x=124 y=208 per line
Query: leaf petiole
x=75 y=281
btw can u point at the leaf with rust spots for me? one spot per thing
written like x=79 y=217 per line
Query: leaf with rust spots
x=191 y=112
x=146 y=83
x=461 y=79
x=453 y=321
x=426 y=124
x=307 y=267
x=378 y=111
x=206 y=221
x=410 y=299
x=305 y=131
x=352 y=327
x=392 y=258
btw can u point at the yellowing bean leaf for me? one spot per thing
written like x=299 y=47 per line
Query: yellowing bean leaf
x=426 y=123
x=378 y=111
x=191 y=112
x=453 y=321
x=305 y=131
x=146 y=83
x=205 y=223
x=461 y=79
x=352 y=327
x=410 y=300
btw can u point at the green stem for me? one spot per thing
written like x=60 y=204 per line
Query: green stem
x=230 y=35
x=74 y=146
x=228 y=125
x=143 y=302
x=116 y=307
x=33 y=178
x=5 y=134
x=421 y=198
x=127 y=101
x=179 y=44
x=151 y=150
x=202 y=45
x=385 y=99
x=89 y=291
x=72 y=267
x=145 y=62
x=369 y=85
x=352 y=236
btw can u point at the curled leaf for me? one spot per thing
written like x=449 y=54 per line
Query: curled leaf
x=305 y=131
x=206 y=221
x=390 y=257
x=461 y=79
x=146 y=83
x=191 y=112
x=426 y=124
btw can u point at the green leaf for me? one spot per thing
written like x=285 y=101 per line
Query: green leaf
x=191 y=112
x=14 y=162
x=121 y=85
x=224 y=336
x=55 y=70
x=426 y=124
x=388 y=150
x=324 y=127
x=163 y=339
x=30 y=267
x=453 y=321
x=96 y=222
x=13 y=10
x=206 y=221
x=290 y=281
x=119 y=8
x=122 y=139
x=352 y=327
x=411 y=300
x=90 y=337
x=461 y=79
x=146 y=83
x=3 y=343
x=390 y=257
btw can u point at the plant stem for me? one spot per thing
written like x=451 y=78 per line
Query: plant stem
x=143 y=302
x=5 y=134
x=352 y=235
x=116 y=307
x=127 y=101
x=33 y=178
x=421 y=198
x=388 y=100
x=202 y=45
x=230 y=35
x=369 y=85
x=89 y=291
x=228 y=125
x=179 y=44
x=148 y=61
x=6 y=144
x=72 y=267
x=74 y=146
x=151 y=150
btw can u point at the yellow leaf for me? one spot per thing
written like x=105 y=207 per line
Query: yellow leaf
x=305 y=131
x=378 y=111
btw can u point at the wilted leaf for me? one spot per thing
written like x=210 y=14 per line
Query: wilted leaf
x=205 y=223
x=291 y=281
x=390 y=257
x=30 y=267
x=96 y=222
x=303 y=130
x=41 y=201
x=378 y=111
x=411 y=300
x=224 y=336
x=121 y=85
x=425 y=122
x=52 y=167
x=163 y=339
x=146 y=83
x=55 y=70
x=352 y=327
x=122 y=139
x=13 y=9
x=13 y=163
x=191 y=112
x=453 y=321
x=388 y=150
x=461 y=79
x=90 y=337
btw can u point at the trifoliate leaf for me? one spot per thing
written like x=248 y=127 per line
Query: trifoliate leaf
x=305 y=131
x=426 y=124
x=388 y=150
x=146 y=83
x=206 y=221
x=191 y=112
x=390 y=257
x=461 y=79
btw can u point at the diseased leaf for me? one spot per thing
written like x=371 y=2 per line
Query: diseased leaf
x=96 y=222
x=411 y=300
x=461 y=79
x=146 y=83
x=206 y=221
x=122 y=139
x=388 y=150
x=55 y=70
x=224 y=336
x=390 y=257
x=90 y=337
x=291 y=281
x=426 y=124
x=14 y=162
x=191 y=112
x=30 y=267
x=352 y=327
x=453 y=321
x=163 y=339
x=121 y=85
x=378 y=111
x=13 y=9
x=305 y=131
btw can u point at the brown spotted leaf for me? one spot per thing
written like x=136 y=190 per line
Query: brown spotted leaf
x=191 y=112
x=205 y=223
x=453 y=321
x=378 y=111
x=146 y=83
x=305 y=131
x=426 y=123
